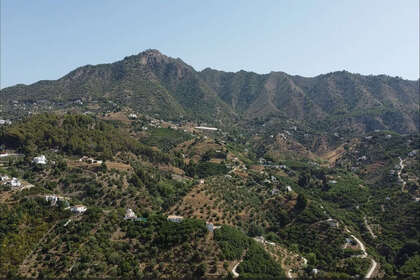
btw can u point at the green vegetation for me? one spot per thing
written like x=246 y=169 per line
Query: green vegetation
x=166 y=138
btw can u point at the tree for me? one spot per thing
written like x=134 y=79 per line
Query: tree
x=301 y=202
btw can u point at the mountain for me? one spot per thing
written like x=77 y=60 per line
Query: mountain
x=154 y=83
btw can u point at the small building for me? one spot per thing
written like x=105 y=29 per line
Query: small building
x=412 y=153
x=130 y=215
x=78 y=209
x=315 y=271
x=260 y=239
x=333 y=223
x=15 y=182
x=389 y=136
x=289 y=188
x=201 y=181
x=4 y=178
x=52 y=199
x=90 y=160
x=132 y=116
x=210 y=227
x=332 y=182
x=40 y=160
x=175 y=219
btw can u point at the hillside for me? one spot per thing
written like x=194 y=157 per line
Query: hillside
x=270 y=216
x=146 y=168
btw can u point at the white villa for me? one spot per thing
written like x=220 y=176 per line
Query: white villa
x=15 y=182
x=40 y=160
x=175 y=219
x=210 y=227
x=79 y=209
x=4 y=178
x=51 y=198
x=130 y=215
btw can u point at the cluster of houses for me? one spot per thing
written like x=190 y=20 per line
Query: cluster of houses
x=53 y=199
x=130 y=215
x=14 y=183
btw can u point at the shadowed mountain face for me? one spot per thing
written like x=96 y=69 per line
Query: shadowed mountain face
x=153 y=83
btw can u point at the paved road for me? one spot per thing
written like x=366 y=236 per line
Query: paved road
x=236 y=274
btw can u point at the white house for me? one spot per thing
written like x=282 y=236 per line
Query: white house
x=132 y=116
x=288 y=188
x=210 y=227
x=15 y=182
x=175 y=219
x=4 y=178
x=40 y=160
x=79 y=209
x=129 y=215
x=412 y=153
x=3 y=122
x=51 y=198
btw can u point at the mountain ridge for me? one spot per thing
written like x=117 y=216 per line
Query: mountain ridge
x=153 y=83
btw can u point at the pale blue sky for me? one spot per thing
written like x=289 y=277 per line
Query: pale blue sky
x=45 y=39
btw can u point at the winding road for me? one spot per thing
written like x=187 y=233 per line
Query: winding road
x=365 y=255
x=236 y=274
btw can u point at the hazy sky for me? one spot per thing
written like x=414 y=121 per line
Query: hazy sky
x=45 y=39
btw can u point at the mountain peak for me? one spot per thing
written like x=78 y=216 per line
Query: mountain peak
x=151 y=57
x=151 y=52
